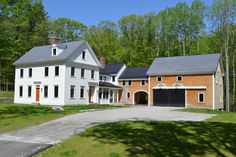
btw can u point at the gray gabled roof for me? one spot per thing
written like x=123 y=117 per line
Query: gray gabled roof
x=42 y=54
x=134 y=73
x=180 y=65
x=111 y=69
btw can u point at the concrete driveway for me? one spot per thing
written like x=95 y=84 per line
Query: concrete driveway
x=26 y=142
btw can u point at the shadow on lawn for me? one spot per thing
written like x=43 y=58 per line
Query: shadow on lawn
x=169 y=138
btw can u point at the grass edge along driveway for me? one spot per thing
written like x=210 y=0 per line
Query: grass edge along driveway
x=213 y=137
x=14 y=116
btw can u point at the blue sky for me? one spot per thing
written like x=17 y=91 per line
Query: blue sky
x=91 y=12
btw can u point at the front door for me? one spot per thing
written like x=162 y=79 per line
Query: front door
x=37 y=93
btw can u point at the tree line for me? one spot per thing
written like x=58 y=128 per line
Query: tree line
x=134 y=40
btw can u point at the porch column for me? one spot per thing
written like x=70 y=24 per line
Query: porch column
x=113 y=95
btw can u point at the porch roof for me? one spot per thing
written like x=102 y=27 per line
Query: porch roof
x=108 y=85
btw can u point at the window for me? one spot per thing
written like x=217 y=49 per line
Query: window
x=128 y=95
x=105 y=94
x=56 y=91
x=21 y=91
x=29 y=91
x=179 y=78
x=201 y=97
x=57 y=71
x=143 y=82
x=129 y=82
x=123 y=83
x=45 y=91
x=82 y=92
x=159 y=78
x=30 y=72
x=100 y=93
x=72 y=71
x=100 y=78
x=54 y=52
x=92 y=74
x=46 y=71
x=83 y=55
x=21 y=73
x=82 y=73
x=72 y=91
x=113 y=78
x=105 y=78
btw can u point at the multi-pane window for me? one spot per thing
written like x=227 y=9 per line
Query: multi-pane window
x=54 y=52
x=56 y=88
x=21 y=91
x=128 y=95
x=201 y=97
x=21 y=73
x=83 y=55
x=30 y=72
x=82 y=73
x=72 y=91
x=143 y=82
x=105 y=93
x=159 y=78
x=92 y=74
x=82 y=92
x=179 y=78
x=45 y=91
x=105 y=78
x=72 y=71
x=123 y=83
x=29 y=91
x=46 y=71
x=129 y=82
x=113 y=78
x=100 y=78
x=56 y=70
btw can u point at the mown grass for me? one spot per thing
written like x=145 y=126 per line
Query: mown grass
x=14 y=116
x=4 y=94
x=214 y=137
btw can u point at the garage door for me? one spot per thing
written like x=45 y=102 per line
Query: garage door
x=169 y=97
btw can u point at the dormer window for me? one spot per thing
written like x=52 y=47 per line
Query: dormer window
x=83 y=55
x=54 y=51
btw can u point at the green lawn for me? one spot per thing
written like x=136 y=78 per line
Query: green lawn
x=214 y=137
x=14 y=116
x=4 y=94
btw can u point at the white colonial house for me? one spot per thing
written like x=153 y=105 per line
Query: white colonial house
x=58 y=74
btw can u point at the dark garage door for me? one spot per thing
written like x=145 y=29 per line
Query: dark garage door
x=169 y=97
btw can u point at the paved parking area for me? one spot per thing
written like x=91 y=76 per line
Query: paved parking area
x=30 y=140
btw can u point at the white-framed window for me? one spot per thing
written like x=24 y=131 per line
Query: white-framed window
x=105 y=78
x=56 y=70
x=130 y=83
x=143 y=82
x=20 y=91
x=128 y=95
x=72 y=72
x=100 y=78
x=30 y=72
x=123 y=83
x=29 y=91
x=56 y=90
x=113 y=78
x=201 y=97
x=21 y=73
x=46 y=71
x=82 y=92
x=92 y=74
x=82 y=73
x=180 y=78
x=72 y=91
x=54 y=51
x=159 y=78
x=45 y=92
x=83 y=55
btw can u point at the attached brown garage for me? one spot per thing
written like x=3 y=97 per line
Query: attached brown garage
x=169 y=97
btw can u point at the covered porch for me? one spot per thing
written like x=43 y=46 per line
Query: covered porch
x=108 y=93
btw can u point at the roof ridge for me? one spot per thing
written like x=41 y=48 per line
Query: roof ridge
x=191 y=55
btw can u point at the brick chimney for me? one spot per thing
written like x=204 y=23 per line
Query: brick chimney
x=55 y=40
x=102 y=62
